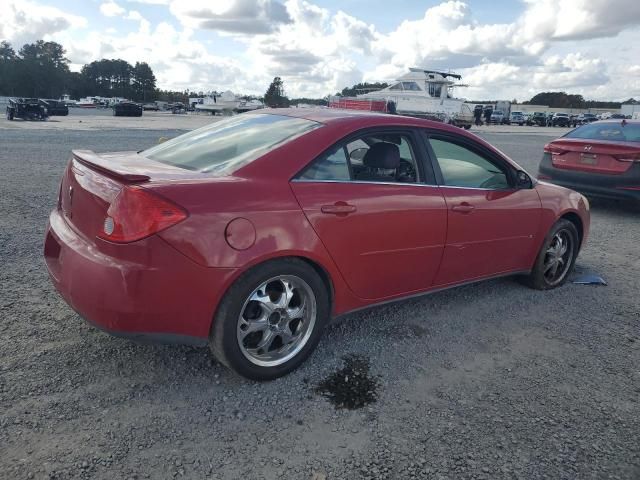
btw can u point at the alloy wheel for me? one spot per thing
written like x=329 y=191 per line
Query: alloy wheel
x=558 y=257
x=276 y=320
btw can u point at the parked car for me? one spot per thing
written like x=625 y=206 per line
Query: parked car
x=585 y=118
x=150 y=106
x=617 y=116
x=560 y=120
x=127 y=109
x=26 y=109
x=517 y=118
x=600 y=159
x=56 y=108
x=539 y=119
x=497 y=117
x=251 y=233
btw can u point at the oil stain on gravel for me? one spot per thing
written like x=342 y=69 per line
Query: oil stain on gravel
x=352 y=386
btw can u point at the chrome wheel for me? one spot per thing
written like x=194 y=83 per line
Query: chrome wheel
x=276 y=320
x=558 y=257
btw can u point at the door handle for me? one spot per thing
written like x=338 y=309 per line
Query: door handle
x=463 y=208
x=339 y=208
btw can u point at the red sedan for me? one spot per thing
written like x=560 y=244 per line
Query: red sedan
x=251 y=233
x=601 y=159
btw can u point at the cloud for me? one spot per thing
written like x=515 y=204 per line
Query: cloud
x=151 y=2
x=23 y=21
x=238 y=17
x=580 y=19
x=111 y=9
x=133 y=15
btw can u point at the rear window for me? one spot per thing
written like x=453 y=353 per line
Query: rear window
x=225 y=146
x=607 y=131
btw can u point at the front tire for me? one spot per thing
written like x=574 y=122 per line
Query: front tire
x=556 y=258
x=271 y=319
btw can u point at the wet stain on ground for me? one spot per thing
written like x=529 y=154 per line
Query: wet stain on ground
x=352 y=386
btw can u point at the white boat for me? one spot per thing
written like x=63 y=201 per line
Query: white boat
x=87 y=102
x=226 y=102
x=425 y=93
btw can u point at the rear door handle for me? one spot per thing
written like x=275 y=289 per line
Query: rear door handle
x=339 y=208
x=463 y=208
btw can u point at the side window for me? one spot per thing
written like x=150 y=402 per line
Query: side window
x=331 y=166
x=462 y=167
x=397 y=86
x=373 y=157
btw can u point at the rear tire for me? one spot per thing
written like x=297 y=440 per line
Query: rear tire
x=556 y=258
x=9 y=114
x=271 y=319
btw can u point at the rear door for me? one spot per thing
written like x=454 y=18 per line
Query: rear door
x=491 y=224
x=387 y=233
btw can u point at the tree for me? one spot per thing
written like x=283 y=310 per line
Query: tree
x=42 y=69
x=7 y=67
x=275 y=96
x=143 y=82
x=360 y=88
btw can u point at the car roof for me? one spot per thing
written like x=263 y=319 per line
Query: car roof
x=360 y=118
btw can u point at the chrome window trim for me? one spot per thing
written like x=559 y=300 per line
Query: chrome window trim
x=370 y=182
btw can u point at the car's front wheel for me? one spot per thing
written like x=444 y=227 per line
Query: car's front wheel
x=271 y=319
x=556 y=257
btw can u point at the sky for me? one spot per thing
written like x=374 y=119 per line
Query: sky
x=504 y=49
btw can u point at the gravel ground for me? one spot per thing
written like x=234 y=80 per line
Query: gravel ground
x=491 y=381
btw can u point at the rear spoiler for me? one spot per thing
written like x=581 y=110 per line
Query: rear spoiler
x=118 y=170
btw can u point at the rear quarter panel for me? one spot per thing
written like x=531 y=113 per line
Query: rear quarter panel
x=281 y=229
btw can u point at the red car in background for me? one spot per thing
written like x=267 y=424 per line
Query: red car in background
x=251 y=233
x=601 y=159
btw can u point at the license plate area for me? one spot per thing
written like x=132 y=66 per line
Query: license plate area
x=588 y=159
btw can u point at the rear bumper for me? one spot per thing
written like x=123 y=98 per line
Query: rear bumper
x=622 y=187
x=145 y=290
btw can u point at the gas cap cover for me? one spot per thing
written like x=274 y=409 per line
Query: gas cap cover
x=240 y=234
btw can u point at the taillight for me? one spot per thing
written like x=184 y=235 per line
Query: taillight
x=550 y=148
x=137 y=213
x=628 y=157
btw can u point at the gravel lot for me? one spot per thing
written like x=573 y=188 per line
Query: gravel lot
x=489 y=381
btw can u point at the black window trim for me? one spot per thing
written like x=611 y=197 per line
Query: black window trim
x=474 y=147
x=426 y=175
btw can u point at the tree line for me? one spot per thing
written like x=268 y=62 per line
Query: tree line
x=567 y=100
x=41 y=69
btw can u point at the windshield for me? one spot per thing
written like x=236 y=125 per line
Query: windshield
x=225 y=146
x=612 y=131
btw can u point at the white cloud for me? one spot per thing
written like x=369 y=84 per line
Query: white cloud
x=24 y=21
x=233 y=16
x=133 y=15
x=111 y=9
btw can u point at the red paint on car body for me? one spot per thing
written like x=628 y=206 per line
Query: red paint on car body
x=372 y=242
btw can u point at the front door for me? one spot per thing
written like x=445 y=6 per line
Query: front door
x=381 y=223
x=492 y=225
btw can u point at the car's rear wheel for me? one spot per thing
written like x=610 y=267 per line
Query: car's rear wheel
x=556 y=257
x=271 y=319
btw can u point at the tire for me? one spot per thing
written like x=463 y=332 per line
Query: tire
x=537 y=278
x=9 y=114
x=242 y=352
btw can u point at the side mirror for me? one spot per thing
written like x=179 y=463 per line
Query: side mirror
x=523 y=180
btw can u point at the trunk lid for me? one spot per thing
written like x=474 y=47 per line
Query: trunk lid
x=92 y=181
x=601 y=157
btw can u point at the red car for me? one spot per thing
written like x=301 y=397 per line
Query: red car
x=251 y=233
x=601 y=159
